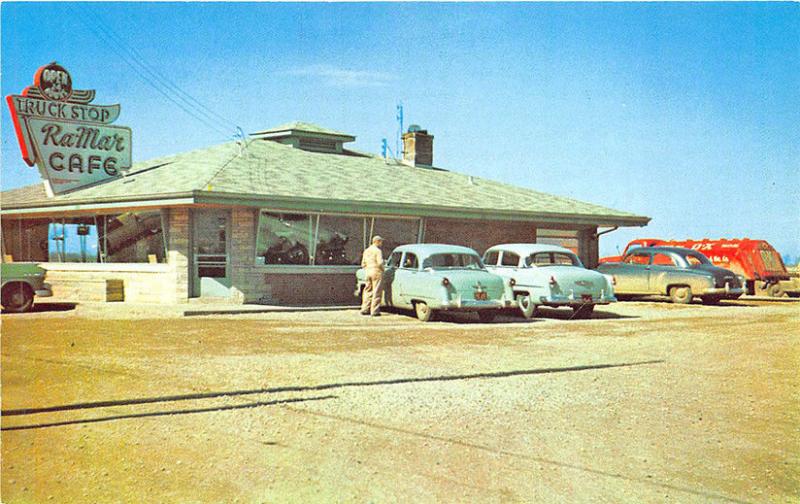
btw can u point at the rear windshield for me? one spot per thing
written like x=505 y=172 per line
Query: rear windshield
x=448 y=261
x=552 y=259
x=695 y=258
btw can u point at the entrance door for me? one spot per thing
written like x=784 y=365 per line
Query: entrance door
x=212 y=273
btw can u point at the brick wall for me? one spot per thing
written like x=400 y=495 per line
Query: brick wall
x=312 y=288
x=478 y=235
x=588 y=247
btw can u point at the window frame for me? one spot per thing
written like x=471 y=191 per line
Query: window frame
x=496 y=259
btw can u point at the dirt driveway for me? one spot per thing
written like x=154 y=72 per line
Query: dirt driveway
x=647 y=402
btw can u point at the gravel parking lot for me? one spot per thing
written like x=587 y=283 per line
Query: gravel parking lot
x=646 y=402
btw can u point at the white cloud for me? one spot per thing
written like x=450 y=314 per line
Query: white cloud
x=343 y=77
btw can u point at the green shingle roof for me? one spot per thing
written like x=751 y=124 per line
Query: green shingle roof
x=274 y=175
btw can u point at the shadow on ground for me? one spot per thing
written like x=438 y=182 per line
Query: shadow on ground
x=48 y=307
x=726 y=303
x=166 y=413
x=275 y=390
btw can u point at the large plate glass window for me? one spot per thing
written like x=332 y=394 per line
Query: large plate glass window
x=326 y=240
x=132 y=237
x=339 y=240
x=73 y=240
x=284 y=238
x=25 y=240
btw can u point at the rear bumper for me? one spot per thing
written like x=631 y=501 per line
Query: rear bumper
x=724 y=292
x=474 y=304
x=572 y=300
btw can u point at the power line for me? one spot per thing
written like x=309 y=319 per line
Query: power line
x=188 y=98
x=206 y=121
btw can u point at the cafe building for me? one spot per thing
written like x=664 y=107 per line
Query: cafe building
x=279 y=217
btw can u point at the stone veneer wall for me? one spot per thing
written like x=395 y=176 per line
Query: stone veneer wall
x=178 y=253
x=247 y=280
x=143 y=283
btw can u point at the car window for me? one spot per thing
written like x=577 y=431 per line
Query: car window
x=490 y=257
x=637 y=258
x=410 y=261
x=456 y=260
x=394 y=260
x=509 y=259
x=696 y=258
x=553 y=258
x=563 y=259
x=663 y=260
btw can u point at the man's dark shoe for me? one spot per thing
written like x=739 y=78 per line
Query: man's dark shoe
x=376 y=314
x=364 y=313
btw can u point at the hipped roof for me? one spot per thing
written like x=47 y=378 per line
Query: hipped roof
x=263 y=173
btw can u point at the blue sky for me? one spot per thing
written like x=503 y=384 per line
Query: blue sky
x=687 y=113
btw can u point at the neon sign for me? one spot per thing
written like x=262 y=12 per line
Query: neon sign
x=67 y=137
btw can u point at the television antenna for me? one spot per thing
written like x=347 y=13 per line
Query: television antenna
x=400 y=127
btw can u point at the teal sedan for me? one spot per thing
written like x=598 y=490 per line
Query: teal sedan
x=21 y=282
x=429 y=278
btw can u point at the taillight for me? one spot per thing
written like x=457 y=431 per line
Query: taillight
x=512 y=282
x=445 y=281
x=614 y=280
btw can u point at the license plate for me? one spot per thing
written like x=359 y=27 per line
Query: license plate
x=481 y=296
x=586 y=297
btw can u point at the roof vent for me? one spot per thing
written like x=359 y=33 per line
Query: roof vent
x=307 y=136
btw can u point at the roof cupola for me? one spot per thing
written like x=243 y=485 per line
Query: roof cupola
x=307 y=136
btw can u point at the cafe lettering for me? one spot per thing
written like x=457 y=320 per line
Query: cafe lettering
x=68 y=138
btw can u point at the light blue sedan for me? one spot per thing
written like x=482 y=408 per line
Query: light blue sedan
x=429 y=278
x=549 y=275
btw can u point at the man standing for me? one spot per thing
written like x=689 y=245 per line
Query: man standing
x=372 y=262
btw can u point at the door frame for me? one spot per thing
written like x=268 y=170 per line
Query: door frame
x=195 y=282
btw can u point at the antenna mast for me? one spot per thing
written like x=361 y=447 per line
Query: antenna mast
x=400 y=125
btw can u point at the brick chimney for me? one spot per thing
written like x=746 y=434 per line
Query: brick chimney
x=417 y=147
